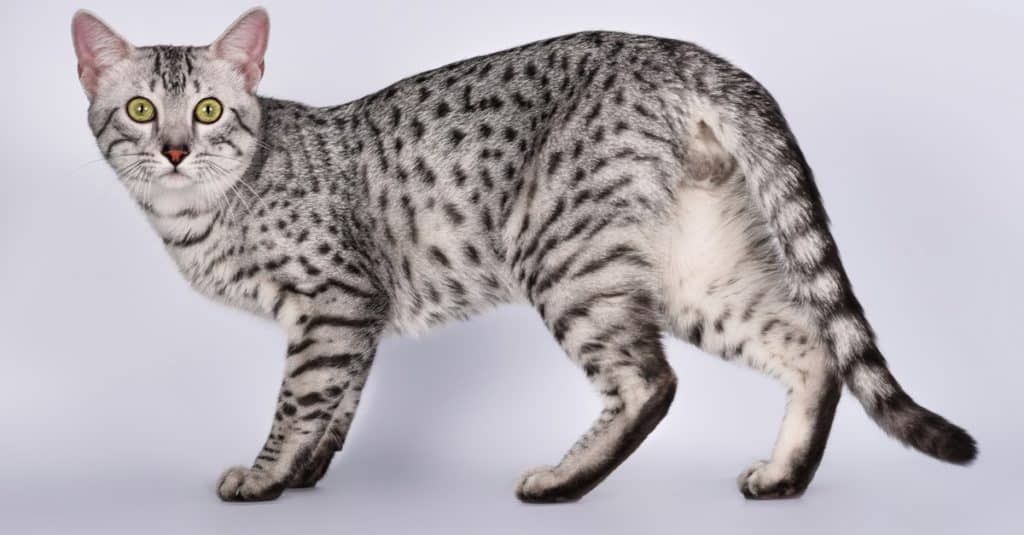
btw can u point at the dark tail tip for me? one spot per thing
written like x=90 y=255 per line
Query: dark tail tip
x=924 y=430
x=902 y=418
x=957 y=446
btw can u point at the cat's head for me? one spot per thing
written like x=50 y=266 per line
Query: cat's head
x=178 y=124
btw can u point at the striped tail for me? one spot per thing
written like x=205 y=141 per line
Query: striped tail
x=781 y=185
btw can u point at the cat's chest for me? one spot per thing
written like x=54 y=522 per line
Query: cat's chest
x=213 y=259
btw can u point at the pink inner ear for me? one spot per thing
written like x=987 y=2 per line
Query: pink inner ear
x=97 y=47
x=244 y=44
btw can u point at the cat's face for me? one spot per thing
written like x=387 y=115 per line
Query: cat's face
x=177 y=124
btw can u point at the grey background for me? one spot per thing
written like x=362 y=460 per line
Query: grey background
x=123 y=394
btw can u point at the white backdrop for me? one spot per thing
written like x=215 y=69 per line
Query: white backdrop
x=123 y=394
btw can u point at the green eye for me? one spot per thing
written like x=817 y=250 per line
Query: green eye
x=141 y=110
x=208 y=110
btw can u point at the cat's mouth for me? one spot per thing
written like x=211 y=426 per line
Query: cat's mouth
x=176 y=179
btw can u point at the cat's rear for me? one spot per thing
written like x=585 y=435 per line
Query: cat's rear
x=783 y=200
x=753 y=274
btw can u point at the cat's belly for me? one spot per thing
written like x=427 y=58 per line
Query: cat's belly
x=452 y=278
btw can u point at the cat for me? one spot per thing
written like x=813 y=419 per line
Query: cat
x=622 y=185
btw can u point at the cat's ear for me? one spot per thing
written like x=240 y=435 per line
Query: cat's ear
x=97 y=47
x=244 y=44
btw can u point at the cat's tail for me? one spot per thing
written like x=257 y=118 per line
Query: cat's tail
x=782 y=187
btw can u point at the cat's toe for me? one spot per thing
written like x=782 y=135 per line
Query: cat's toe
x=546 y=484
x=240 y=484
x=764 y=481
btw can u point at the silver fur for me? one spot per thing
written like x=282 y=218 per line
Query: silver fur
x=623 y=185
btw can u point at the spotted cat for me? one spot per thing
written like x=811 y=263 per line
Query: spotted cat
x=622 y=185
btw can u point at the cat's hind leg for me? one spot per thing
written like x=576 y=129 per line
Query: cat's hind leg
x=766 y=335
x=609 y=329
x=779 y=343
x=757 y=327
x=725 y=294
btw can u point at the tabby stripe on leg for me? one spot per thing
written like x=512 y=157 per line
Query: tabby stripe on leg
x=339 y=360
x=300 y=346
x=340 y=321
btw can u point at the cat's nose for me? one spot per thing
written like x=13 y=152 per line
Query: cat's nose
x=175 y=153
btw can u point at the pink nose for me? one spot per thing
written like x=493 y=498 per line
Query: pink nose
x=175 y=154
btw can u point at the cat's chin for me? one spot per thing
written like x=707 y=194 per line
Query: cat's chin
x=171 y=194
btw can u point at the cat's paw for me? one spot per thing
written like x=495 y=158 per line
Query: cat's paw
x=240 y=484
x=765 y=481
x=547 y=484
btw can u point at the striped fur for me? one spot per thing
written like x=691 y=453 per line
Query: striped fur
x=622 y=185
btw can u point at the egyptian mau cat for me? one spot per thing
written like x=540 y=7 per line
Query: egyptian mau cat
x=622 y=185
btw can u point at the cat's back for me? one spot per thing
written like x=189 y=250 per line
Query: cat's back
x=564 y=65
x=474 y=167
x=470 y=129
x=459 y=177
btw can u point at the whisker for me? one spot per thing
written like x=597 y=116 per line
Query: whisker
x=211 y=155
x=254 y=193
x=241 y=198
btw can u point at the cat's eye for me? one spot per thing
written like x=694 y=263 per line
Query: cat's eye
x=208 y=110
x=141 y=110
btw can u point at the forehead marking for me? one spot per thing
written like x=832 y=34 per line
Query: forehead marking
x=172 y=65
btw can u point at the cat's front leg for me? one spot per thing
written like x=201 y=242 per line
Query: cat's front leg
x=334 y=438
x=329 y=354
